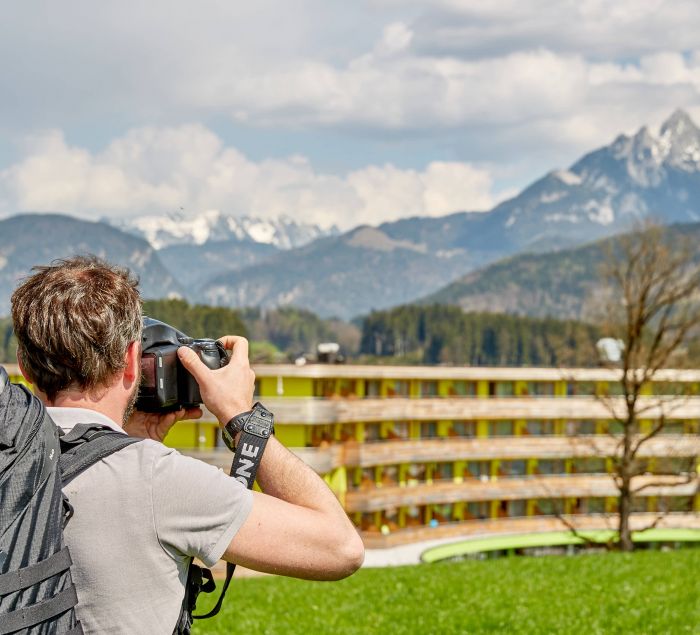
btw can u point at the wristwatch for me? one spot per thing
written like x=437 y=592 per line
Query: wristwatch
x=259 y=422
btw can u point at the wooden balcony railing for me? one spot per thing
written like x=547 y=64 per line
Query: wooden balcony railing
x=318 y=411
x=525 y=525
x=509 y=448
x=512 y=488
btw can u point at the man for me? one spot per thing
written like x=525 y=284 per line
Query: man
x=143 y=512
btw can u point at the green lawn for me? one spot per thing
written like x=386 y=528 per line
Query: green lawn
x=646 y=592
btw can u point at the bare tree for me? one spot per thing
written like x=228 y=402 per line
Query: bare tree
x=651 y=278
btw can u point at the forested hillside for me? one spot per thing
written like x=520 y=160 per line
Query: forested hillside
x=196 y=320
x=565 y=284
x=445 y=334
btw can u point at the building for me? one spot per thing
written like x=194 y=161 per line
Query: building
x=420 y=453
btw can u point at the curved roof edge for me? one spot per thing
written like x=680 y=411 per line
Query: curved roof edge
x=550 y=539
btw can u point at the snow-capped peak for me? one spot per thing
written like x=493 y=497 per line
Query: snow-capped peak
x=648 y=155
x=214 y=226
x=678 y=123
x=680 y=139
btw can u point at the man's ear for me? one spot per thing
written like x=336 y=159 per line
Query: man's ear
x=133 y=361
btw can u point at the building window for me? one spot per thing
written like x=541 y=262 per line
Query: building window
x=398 y=388
x=477 y=469
x=539 y=428
x=348 y=432
x=479 y=510
x=372 y=432
x=398 y=430
x=428 y=429
x=589 y=465
x=673 y=464
x=367 y=523
x=416 y=474
x=589 y=506
x=464 y=429
x=367 y=478
x=373 y=388
x=321 y=435
x=500 y=428
x=540 y=388
x=674 y=504
x=512 y=468
x=442 y=513
x=443 y=472
x=615 y=427
x=462 y=389
x=389 y=475
x=549 y=506
x=414 y=516
x=580 y=428
x=324 y=387
x=501 y=389
x=390 y=520
x=428 y=389
x=580 y=388
x=639 y=504
x=673 y=427
x=551 y=466
x=515 y=509
x=673 y=388
x=347 y=388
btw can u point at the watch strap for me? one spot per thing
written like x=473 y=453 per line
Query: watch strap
x=232 y=428
x=257 y=429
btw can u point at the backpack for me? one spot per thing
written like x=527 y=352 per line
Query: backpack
x=37 y=595
x=37 y=459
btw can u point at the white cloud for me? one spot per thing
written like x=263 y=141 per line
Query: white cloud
x=152 y=170
x=499 y=82
x=390 y=65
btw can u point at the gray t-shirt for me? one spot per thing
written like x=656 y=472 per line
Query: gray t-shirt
x=140 y=515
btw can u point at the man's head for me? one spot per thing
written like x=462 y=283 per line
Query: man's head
x=74 y=321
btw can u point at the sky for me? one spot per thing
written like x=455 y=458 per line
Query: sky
x=325 y=111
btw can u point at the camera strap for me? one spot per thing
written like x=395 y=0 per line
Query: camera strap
x=257 y=429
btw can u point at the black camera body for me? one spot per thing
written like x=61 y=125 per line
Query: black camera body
x=165 y=383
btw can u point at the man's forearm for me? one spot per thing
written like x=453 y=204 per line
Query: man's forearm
x=297 y=526
x=285 y=476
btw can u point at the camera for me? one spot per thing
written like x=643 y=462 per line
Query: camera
x=165 y=383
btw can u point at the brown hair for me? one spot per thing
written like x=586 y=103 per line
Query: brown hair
x=74 y=321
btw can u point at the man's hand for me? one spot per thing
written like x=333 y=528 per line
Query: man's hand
x=153 y=425
x=227 y=391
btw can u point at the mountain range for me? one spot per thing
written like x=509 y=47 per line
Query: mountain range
x=34 y=239
x=219 y=259
x=603 y=193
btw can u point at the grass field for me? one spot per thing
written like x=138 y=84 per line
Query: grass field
x=645 y=592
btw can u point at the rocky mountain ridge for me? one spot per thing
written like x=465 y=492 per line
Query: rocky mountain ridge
x=169 y=230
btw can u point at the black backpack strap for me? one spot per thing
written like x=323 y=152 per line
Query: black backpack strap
x=23 y=619
x=86 y=444
x=35 y=573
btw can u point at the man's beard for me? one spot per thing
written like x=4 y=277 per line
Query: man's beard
x=131 y=404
